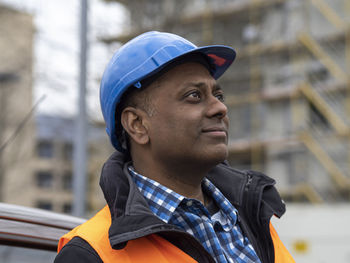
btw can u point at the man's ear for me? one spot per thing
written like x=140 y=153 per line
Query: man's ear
x=134 y=122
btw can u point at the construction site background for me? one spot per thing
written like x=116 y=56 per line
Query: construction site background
x=288 y=94
x=287 y=91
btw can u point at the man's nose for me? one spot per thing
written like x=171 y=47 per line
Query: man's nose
x=216 y=108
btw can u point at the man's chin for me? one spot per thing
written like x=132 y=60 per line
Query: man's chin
x=218 y=154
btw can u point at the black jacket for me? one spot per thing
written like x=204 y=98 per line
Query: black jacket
x=252 y=193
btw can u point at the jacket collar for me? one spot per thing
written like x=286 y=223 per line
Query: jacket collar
x=231 y=186
x=132 y=218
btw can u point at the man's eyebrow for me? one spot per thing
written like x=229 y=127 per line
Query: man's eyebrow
x=216 y=86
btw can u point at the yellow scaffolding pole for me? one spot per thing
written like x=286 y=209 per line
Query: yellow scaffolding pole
x=309 y=192
x=207 y=25
x=337 y=123
x=255 y=82
x=297 y=59
x=336 y=174
x=329 y=14
x=347 y=57
x=324 y=58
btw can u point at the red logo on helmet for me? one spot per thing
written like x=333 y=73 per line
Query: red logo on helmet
x=217 y=60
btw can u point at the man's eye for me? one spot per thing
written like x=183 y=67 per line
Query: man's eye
x=195 y=95
x=220 y=97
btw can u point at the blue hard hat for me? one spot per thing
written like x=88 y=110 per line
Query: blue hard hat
x=144 y=56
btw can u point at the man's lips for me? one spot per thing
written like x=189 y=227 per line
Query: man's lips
x=219 y=131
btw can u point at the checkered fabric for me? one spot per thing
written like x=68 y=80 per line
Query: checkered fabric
x=218 y=233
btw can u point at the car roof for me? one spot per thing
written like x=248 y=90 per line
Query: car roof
x=32 y=227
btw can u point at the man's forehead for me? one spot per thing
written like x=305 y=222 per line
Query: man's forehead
x=201 y=84
x=191 y=71
x=180 y=78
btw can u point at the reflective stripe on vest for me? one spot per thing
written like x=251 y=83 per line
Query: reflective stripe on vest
x=150 y=248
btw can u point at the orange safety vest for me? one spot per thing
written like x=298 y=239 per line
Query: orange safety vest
x=151 y=248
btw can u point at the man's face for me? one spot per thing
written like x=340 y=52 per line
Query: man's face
x=189 y=122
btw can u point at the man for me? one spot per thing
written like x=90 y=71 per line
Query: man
x=171 y=195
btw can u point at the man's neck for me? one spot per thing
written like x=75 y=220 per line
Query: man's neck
x=183 y=180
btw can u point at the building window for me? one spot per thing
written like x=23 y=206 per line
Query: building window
x=68 y=181
x=68 y=151
x=44 y=179
x=46 y=205
x=67 y=208
x=45 y=149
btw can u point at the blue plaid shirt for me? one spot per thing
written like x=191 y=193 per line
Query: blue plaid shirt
x=218 y=233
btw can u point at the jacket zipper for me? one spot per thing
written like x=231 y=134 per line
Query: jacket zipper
x=249 y=182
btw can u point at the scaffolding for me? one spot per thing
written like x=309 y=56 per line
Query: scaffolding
x=288 y=92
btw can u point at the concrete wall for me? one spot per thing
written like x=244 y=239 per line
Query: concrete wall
x=316 y=234
x=16 y=56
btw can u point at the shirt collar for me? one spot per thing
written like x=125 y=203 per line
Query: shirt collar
x=164 y=201
x=224 y=205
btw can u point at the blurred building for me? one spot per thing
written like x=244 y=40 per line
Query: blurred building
x=16 y=124
x=288 y=91
x=52 y=172
x=36 y=151
x=46 y=180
